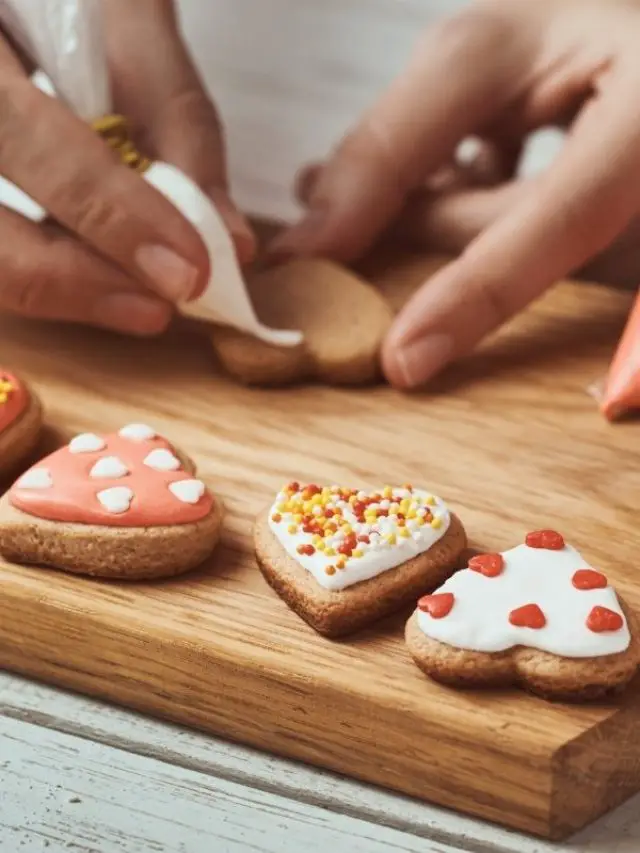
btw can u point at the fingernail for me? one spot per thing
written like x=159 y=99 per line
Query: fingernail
x=172 y=276
x=301 y=239
x=419 y=360
x=132 y=314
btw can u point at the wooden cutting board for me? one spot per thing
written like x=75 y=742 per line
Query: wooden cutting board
x=511 y=438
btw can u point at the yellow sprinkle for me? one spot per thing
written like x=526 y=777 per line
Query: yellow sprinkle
x=281 y=507
x=330 y=552
x=436 y=523
x=394 y=507
x=320 y=546
x=292 y=528
x=326 y=492
x=420 y=521
x=411 y=513
x=390 y=538
x=404 y=506
x=430 y=501
x=404 y=533
x=297 y=518
x=346 y=528
x=316 y=500
x=307 y=507
x=357 y=553
x=315 y=539
x=321 y=519
x=387 y=492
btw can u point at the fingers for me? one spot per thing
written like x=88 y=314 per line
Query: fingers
x=61 y=163
x=168 y=103
x=47 y=274
x=448 y=222
x=571 y=213
x=411 y=131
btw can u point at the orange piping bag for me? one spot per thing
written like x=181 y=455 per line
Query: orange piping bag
x=622 y=389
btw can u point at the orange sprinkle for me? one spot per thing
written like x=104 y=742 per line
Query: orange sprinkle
x=330 y=570
x=276 y=517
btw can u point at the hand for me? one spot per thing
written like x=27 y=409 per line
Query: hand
x=497 y=71
x=121 y=254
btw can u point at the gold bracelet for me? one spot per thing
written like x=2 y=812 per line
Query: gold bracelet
x=114 y=129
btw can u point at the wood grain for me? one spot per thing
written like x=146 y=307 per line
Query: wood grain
x=113 y=802
x=510 y=438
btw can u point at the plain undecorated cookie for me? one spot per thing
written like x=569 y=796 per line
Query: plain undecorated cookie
x=344 y=321
x=547 y=673
x=155 y=520
x=20 y=422
x=337 y=612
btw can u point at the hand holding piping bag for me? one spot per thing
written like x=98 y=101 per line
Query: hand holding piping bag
x=143 y=251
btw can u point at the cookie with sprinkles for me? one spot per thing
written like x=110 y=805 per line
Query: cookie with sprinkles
x=343 y=558
x=124 y=505
x=538 y=616
x=20 y=421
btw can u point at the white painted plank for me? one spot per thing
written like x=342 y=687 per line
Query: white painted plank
x=61 y=793
x=94 y=720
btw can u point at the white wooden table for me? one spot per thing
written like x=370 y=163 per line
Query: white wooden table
x=79 y=775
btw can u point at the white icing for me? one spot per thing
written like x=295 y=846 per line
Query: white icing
x=117 y=499
x=378 y=556
x=162 y=460
x=188 y=491
x=479 y=620
x=109 y=466
x=137 y=432
x=87 y=442
x=36 y=478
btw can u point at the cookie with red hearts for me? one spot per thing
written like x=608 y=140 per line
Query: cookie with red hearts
x=343 y=558
x=20 y=421
x=538 y=616
x=125 y=505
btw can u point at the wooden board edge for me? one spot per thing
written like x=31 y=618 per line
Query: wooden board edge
x=597 y=771
x=240 y=701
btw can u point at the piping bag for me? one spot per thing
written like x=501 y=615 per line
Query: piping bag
x=621 y=393
x=64 y=38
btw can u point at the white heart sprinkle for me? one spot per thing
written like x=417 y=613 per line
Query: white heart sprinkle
x=109 y=466
x=87 y=442
x=188 y=491
x=162 y=460
x=137 y=432
x=36 y=478
x=116 y=499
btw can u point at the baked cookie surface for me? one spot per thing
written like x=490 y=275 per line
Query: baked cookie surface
x=342 y=558
x=124 y=505
x=537 y=615
x=20 y=421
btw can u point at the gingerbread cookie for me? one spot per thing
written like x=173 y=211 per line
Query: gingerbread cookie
x=20 y=421
x=125 y=505
x=537 y=615
x=343 y=558
x=343 y=320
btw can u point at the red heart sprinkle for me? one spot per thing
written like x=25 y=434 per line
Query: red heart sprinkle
x=547 y=539
x=489 y=565
x=529 y=616
x=602 y=619
x=589 y=579
x=437 y=606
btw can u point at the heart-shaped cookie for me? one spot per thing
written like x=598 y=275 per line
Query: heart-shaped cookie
x=96 y=487
x=547 y=621
x=20 y=421
x=342 y=558
x=343 y=319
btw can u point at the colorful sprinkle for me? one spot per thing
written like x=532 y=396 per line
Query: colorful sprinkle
x=602 y=620
x=529 y=616
x=549 y=540
x=437 y=605
x=589 y=579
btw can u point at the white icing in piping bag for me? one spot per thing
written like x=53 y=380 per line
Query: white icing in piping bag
x=64 y=39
